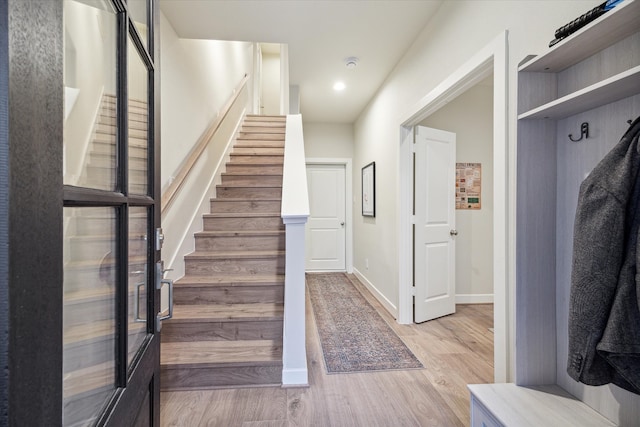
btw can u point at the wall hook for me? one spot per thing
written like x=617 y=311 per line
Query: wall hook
x=629 y=121
x=584 y=132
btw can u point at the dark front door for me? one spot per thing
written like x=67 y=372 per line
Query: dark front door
x=83 y=270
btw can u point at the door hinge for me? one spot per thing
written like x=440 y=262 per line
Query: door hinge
x=413 y=290
x=413 y=219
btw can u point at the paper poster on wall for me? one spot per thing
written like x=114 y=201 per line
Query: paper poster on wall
x=468 y=185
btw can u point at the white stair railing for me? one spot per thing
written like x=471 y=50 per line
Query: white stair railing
x=295 y=213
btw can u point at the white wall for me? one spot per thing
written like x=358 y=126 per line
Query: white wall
x=456 y=33
x=90 y=67
x=198 y=77
x=270 y=83
x=322 y=140
x=470 y=117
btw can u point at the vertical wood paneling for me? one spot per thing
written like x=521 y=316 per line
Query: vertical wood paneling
x=535 y=253
x=35 y=211
x=575 y=161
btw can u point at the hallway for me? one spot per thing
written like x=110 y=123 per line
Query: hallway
x=456 y=350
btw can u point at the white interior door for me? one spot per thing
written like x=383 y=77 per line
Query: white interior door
x=325 y=231
x=434 y=251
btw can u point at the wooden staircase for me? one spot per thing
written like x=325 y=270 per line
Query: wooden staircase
x=228 y=308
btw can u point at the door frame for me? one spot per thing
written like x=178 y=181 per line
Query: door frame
x=492 y=58
x=348 y=182
x=32 y=197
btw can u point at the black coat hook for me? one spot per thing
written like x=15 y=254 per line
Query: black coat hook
x=584 y=132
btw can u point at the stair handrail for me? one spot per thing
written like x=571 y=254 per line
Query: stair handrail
x=169 y=195
x=294 y=213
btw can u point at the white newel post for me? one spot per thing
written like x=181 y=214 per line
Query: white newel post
x=295 y=213
x=294 y=353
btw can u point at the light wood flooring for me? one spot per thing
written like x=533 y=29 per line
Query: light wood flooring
x=456 y=350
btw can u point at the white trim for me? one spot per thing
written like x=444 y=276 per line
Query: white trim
x=388 y=305
x=492 y=57
x=347 y=162
x=474 y=299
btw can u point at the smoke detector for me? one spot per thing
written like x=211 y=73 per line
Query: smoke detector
x=351 y=62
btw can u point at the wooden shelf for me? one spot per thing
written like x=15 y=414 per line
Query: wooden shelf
x=609 y=90
x=536 y=406
x=613 y=26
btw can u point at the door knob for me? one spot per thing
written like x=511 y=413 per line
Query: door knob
x=453 y=232
x=342 y=223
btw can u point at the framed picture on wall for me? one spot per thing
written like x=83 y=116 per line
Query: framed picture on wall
x=369 y=190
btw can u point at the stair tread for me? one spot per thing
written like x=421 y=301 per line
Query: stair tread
x=227 y=312
x=97 y=329
x=220 y=353
x=252 y=185
x=233 y=254
x=250 y=174
x=239 y=233
x=230 y=280
x=89 y=379
x=242 y=214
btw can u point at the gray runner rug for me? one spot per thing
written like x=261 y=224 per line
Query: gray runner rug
x=353 y=336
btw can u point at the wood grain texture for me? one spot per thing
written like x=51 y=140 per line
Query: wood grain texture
x=228 y=316
x=455 y=349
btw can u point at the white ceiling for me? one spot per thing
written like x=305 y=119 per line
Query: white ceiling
x=320 y=35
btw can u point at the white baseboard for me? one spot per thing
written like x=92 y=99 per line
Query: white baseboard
x=474 y=299
x=392 y=309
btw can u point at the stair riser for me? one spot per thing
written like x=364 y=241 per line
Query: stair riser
x=222 y=331
x=111 y=130
x=257 y=169
x=80 y=411
x=109 y=161
x=259 y=144
x=244 y=136
x=223 y=224
x=274 y=130
x=136 y=121
x=274 y=151
x=102 y=145
x=264 y=123
x=275 y=180
x=96 y=249
x=240 y=243
x=90 y=352
x=80 y=313
x=249 y=192
x=254 y=206
x=103 y=175
x=228 y=294
x=256 y=159
x=222 y=377
x=203 y=267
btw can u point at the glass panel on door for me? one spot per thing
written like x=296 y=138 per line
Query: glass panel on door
x=90 y=34
x=138 y=278
x=138 y=87
x=139 y=12
x=89 y=322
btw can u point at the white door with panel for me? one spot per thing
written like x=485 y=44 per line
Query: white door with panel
x=325 y=231
x=434 y=247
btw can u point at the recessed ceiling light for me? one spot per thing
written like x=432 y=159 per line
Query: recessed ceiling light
x=339 y=86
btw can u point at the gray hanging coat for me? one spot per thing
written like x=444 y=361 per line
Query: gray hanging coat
x=604 y=312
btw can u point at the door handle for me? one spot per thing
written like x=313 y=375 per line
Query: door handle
x=453 y=232
x=342 y=224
